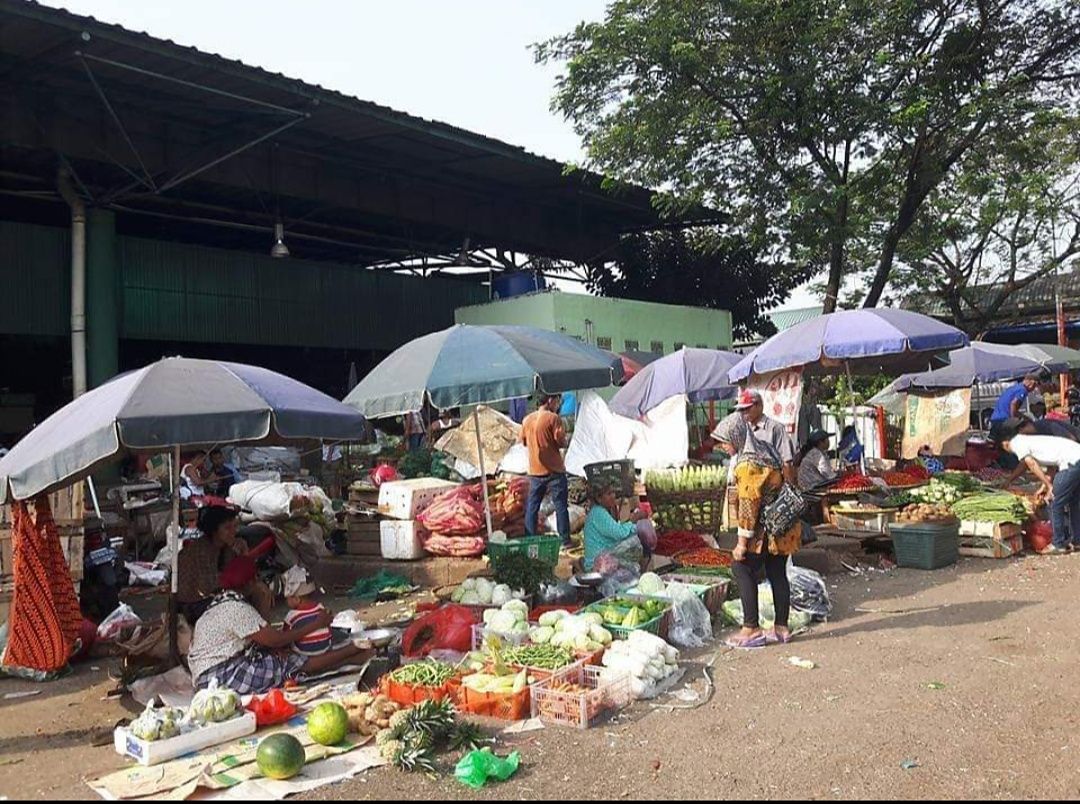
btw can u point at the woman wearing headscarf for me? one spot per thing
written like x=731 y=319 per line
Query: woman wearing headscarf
x=234 y=646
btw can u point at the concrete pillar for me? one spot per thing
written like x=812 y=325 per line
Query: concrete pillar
x=102 y=297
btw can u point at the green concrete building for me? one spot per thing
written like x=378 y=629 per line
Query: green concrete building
x=618 y=325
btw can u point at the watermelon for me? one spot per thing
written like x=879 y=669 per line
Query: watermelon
x=328 y=724
x=280 y=756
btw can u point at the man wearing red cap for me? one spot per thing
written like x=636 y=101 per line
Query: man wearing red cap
x=765 y=461
x=235 y=646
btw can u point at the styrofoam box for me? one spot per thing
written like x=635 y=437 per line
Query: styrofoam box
x=401 y=539
x=404 y=499
x=158 y=751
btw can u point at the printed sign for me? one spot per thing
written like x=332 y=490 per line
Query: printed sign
x=782 y=394
x=939 y=422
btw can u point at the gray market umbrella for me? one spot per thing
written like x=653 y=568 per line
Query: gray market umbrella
x=979 y=362
x=471 y=365
x=701 y=374
x=1055 y=358
x=176 y=402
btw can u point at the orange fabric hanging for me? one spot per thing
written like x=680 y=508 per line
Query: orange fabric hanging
x=45 y=616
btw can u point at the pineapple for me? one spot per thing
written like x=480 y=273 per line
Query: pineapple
x=408 y=758
x=421 y=741
x=467 y=737
x=390 y=749
x=433 y=717
x=385 y=736
x=399 y=722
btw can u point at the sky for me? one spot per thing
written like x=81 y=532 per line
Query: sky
x=463 y=62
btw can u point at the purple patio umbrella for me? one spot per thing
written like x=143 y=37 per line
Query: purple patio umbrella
x=701 y=374
x=865 y=341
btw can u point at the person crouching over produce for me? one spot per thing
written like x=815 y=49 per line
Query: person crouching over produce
x=304 y=609
x=1035 y=453
x=765 y=462
x=234 y=645
x=604 y=533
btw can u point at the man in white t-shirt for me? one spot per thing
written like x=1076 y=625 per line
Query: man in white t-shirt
x=1038 y=453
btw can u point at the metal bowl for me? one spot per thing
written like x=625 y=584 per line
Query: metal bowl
x=378 y=637
x=589 y=579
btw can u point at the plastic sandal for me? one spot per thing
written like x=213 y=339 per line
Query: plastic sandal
x=1054 y=550
x=746 y=643
x=773 y=638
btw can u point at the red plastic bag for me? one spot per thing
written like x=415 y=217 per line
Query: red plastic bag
x=446 y=628
x=271 y=709
x=1039 y=535
x=383 y=473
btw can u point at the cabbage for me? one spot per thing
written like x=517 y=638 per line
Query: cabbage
x=501 y=594
x=469 y=585
x=488 y=614
x=550 y=618
x=518 y=608
x=650 y=584
x=599 y=634
x=457 y=595
x=503 y=622
x=484 y=588
x=471 y=599
x=542 y=635
x=592 y=618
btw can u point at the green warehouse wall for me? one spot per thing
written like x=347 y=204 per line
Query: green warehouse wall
x=617 y=324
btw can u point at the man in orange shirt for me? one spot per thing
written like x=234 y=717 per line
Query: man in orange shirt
x=543 y=433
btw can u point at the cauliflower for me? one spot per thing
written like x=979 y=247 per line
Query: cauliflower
x=457 y=595
x=503 y=622
x=471 y=599
x=549 y=618
x=542 y=635
x=488 y=614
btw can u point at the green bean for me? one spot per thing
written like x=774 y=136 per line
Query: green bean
x=542 y=657
x=423 y=674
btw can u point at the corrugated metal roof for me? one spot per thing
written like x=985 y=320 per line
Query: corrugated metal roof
x=1037 y=297
x=786 y=319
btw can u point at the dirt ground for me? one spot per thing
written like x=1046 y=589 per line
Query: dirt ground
x=948 y=684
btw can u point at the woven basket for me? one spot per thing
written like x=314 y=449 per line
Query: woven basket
x=700 y=511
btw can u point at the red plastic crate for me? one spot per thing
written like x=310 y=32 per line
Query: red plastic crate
x=511 y=706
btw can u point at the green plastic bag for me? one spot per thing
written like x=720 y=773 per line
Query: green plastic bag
x=477 y=767
x=369 y=588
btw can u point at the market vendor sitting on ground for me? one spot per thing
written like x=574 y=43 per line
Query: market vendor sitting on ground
x=544 y=435
x=200 y=562
x=234 y=646
x=815 y=465
x=765 y=462
x=604 y=533
x=1037 y=453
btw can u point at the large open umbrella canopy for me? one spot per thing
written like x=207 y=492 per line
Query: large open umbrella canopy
x=176 y=402
x=471 y=365
x=700 y=374
x=1053 y=357
x=857 y=341
x=979 y=362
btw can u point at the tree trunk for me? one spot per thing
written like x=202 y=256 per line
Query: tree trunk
x=837 y=235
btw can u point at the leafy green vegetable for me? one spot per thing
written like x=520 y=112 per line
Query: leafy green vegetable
x=518 y=571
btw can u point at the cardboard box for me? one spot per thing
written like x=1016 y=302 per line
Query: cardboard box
x=404 y=499
x=158 y=751
x=402 y=540
x=990 y=530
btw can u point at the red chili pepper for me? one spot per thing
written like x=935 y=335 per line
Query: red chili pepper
x=677 y=541
x=705 y=557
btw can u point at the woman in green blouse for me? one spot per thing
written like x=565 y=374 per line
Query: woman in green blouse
x=604 y=533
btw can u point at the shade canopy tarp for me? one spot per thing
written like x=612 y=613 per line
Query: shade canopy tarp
x=176 y=402
x=865 y=341
x=699 y=374
x=1053 y=357
x=470 y=365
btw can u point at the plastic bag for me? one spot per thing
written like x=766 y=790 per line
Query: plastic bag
x=271 y=709
x=733 y=612
x=369 y=588
x=477 y=767
x=446 y=628
x=577 y=519
x=691 y=623
x=112 y=626
x=809 y=592
x=157 y=723
x=213 y=705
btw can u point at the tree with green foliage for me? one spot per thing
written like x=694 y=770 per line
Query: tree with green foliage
x=699 y=267
x=823 y=126
x=1010 y=218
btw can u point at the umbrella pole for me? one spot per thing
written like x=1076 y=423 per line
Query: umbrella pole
x=483 y=471
x=854 y=420
x=174 y=549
